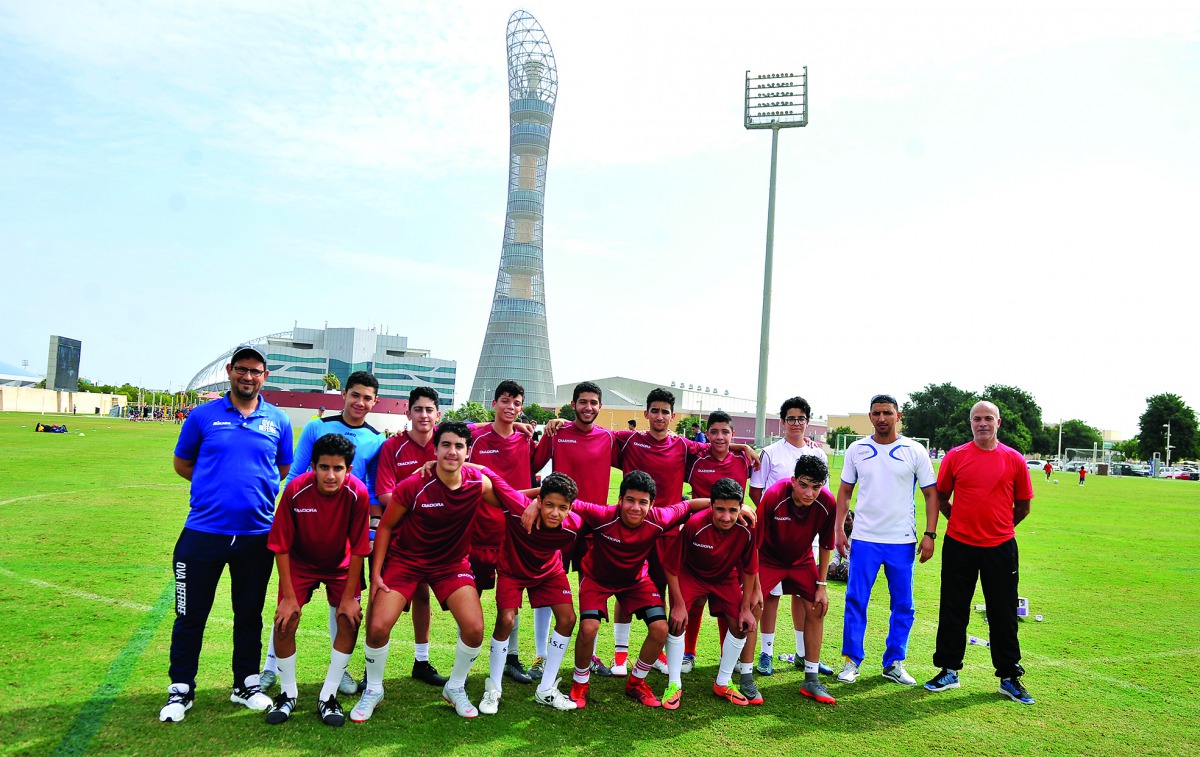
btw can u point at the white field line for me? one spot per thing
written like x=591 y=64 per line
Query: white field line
x=44 y=495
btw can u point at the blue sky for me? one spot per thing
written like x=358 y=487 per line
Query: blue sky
x=986 y=193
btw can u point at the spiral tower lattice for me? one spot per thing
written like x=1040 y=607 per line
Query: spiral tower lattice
x=517 y=343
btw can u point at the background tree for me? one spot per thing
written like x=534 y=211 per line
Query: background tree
x=832 y=437
x=537 y=414
x=935 y=414
x=1152 y=435
x=471 y=412
x=1076 y=433
x=566 y=412
x=684 y=426
x=1128 y=448
x=331 y=381
x=1016 y=404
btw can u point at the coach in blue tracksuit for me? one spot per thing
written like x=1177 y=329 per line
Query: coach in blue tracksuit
x=235 y=451
x=888 y=468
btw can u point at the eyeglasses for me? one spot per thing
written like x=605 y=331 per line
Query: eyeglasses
x=242 y=370
x=795 y=420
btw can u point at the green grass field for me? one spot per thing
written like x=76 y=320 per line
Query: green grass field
x=89 y=523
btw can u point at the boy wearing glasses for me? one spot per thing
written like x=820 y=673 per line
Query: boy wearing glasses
x=777 y=464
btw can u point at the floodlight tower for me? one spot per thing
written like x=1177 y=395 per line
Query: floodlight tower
x=773 y=101
x=517 y=344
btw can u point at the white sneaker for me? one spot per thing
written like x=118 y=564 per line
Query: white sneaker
x=490 y=704
x=897 y=674
x=366 y=705
x=179 y=701
x=457 y=698
x=250 y=695
x=552 y=697
x=661 y=666
x=619 y=671
x=849 y=673
x=689 y=664
x=348 y=685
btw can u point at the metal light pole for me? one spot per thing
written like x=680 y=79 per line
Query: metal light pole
x=1167 y=425
x=1060 y=441
x=773 y=101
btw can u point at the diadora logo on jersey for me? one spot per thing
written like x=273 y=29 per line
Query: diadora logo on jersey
x=613 y=539
x=433 y=504
x=643 y=446
x=707 y=470
x=783 y=517
x=305 y=510
x=267 y=426
x=222 y=423
x=702 y=546
x=567 y=592
x=566 y=441
x=466 y=575
x=487 y=452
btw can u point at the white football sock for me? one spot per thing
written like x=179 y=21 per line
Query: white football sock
x=542 y=618
x=421 y=652
x=621 y=636
x=768 y=644
x=799 y=645
x=464 y=658
x=497 y=653
x=674 y=659
x=514 y=639
x=555 y=652
x=287 y=675
x=338 y=662
x=376 y=659
x=731 y=650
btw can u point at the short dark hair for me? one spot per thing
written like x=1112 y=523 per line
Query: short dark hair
x=660 y=395
x=458 y=428
x=639 y=481
x=795 y=403
x=880 y=399
x=428 y=392
x=695 y=425
x=719 y=416
x=813 y=467
x=561 y=483
x=727 y=488
x=362 y=378
x=511 y=388
x=586 y=386
x=632 y=422
x=334 y=445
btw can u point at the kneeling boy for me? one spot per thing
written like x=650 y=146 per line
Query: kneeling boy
x=319 y=535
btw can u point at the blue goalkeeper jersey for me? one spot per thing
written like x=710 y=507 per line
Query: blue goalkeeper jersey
x=366 y=440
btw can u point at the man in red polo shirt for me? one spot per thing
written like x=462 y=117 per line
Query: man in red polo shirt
x=991 y=490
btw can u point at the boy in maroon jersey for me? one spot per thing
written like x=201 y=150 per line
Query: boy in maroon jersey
x=583 y=451
x=791 y=513
x=702 y=472
x=624 y=536
x=663 y=455
x=507 y=452
x=319 y=535
x=399 y=457
x=432 y=520
x=716 y=558
x=530 y=563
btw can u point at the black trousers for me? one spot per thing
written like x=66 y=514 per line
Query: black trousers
x=998 y=569
x=198 y=562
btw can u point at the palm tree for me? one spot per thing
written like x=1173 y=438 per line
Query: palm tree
x=332 y=382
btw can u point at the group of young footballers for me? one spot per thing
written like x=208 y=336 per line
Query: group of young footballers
x=451 y=508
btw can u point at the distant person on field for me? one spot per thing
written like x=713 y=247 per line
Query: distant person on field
x=319 y=536
x=235 y=451
x=698 y=435
x=633 y=424
x=991 y=491
x=1048 y=468
x=1082 y=474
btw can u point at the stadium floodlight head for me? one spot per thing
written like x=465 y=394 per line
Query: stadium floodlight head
x=777 y=101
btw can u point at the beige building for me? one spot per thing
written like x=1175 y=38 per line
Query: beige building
x=26 y=399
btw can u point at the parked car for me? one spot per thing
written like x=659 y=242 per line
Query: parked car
x=1168 y=471
x=1035 y=464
